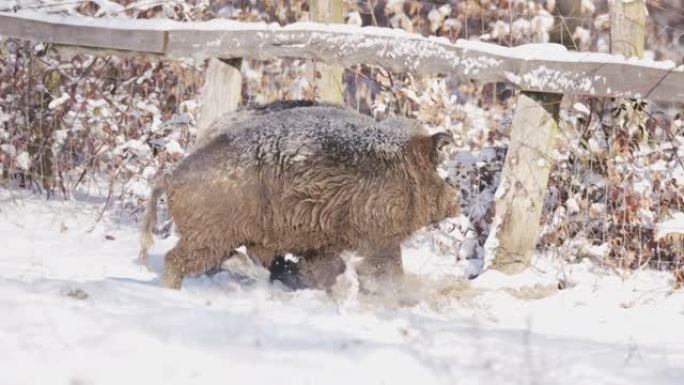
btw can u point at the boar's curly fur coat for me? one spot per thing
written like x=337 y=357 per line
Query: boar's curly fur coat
x=313 y=181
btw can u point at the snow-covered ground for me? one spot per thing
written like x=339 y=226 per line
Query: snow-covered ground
x=76 y=309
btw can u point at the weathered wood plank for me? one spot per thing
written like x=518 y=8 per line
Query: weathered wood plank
x=96 y=35
x=608 y=77
x=544 y=68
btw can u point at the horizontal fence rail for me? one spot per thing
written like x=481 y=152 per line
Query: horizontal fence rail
x=534 y=67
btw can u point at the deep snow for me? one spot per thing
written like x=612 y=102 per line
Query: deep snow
x=77 y=309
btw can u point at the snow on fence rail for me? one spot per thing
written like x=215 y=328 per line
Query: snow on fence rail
x=535 y=67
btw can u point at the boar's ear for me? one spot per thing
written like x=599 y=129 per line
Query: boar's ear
x=426 y=150
x=440 y=143
x=440 y=140
x=419 y=149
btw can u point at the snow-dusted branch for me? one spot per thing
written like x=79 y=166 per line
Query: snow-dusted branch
x=536 y=67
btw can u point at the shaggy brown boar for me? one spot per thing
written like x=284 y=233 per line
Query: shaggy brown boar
x=313 y=181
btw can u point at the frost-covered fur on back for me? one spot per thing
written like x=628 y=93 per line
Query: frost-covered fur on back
x=312 y=181
x=296 y=134
x=291 y=131
x=232 y=120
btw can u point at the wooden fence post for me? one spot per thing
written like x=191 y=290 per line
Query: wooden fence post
x=221 y=93
x=628 y=27
x=520 y=197
x=330 y=83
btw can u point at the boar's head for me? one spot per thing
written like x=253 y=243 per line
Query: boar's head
x=439 y=199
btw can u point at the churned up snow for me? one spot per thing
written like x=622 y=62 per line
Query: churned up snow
x=77 y=309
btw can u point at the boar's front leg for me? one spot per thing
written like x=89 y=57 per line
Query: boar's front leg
x=381 y=267
x=318 y=269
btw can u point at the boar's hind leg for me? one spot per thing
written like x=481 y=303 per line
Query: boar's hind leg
x=184 y=260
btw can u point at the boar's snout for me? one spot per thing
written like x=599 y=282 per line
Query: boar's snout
x=451 y=202
x=446 y=202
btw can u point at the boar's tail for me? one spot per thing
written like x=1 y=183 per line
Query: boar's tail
x=150 y=219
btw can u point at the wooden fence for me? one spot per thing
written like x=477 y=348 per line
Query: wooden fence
x=542 y=68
